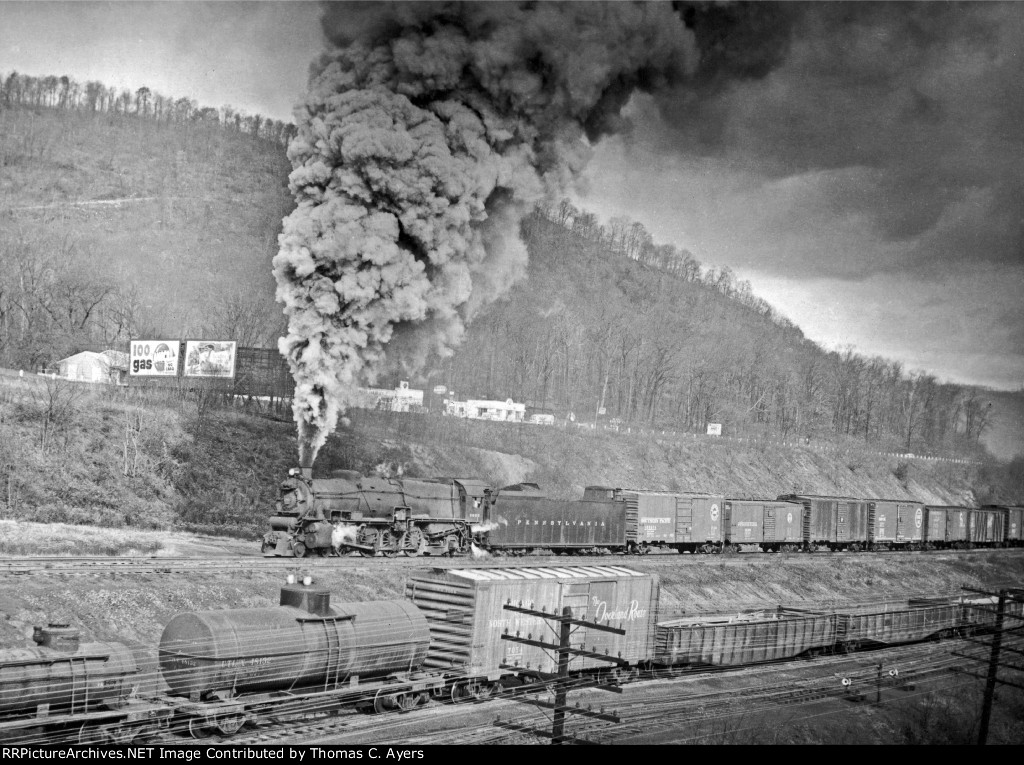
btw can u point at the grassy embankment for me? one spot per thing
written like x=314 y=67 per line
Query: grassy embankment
x=181 y=460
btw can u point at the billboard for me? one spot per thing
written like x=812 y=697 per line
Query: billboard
x=210 y=358
x=153 y=358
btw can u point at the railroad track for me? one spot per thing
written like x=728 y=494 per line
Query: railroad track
x=87 y=565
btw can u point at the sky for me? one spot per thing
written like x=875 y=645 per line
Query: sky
x=862 y=167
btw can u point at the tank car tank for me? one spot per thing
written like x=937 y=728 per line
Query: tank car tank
x=62 y=674
x=348 y=511
x=304 y=643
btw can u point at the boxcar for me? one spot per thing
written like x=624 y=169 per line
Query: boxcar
x=685 y=521
x=1013 y=522
x=521 y=517
x=914 y=620
x=946 y=526
x=1014 y=525
x=987 y=526
x=743 y=638
x=465 y=610
x=838 y=523
x=770 y=524
x=896 y=523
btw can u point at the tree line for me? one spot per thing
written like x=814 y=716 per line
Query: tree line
x=612 y=327
x=64 y=92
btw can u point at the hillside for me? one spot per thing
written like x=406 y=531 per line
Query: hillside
x=79 y=454
x=157 y=227
x=120 y=226
x=1003 y=439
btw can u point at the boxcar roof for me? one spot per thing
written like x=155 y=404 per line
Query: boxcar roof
x=546 y=572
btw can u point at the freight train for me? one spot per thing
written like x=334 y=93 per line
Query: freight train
x=459 y=633
x=347 y=512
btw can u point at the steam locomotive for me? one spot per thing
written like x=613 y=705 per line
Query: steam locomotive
x=439 y=516
x=348 y=512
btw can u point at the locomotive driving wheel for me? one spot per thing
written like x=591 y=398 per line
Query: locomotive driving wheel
x=299 y=549
x=367 y=537
x=387 y=543
x=414 y=543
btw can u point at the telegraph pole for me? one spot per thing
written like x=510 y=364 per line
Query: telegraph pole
x=564 y=650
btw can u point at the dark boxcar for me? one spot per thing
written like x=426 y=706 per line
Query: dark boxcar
x=896 y=523
x=1013 y=522
x=1015 y=525
x=987 y=526
x=523 y=519
x=898 y=623
x=770 y=524
x=466 y=614
x=743 y=638
x=946 y=526
x=836 y=522
x=686 y=521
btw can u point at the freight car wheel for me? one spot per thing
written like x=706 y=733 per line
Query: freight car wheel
x=229 y=725
x=88 y=734
x=198 y=728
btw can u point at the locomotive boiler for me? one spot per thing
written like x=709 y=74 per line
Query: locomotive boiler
x=347 y=511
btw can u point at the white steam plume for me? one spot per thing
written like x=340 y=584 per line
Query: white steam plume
x=429 y=130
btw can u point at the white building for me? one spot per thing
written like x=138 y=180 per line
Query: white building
x=480 y=409
x=88 y=367
x=401 y=399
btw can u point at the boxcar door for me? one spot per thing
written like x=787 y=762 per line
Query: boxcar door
x=576 y=595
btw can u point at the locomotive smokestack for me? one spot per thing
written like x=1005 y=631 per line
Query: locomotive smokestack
x=306 y=471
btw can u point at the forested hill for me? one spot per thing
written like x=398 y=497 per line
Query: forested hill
x=122 y=220
x=608 y=320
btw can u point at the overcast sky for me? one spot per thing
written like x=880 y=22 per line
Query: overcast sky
x=868 y=182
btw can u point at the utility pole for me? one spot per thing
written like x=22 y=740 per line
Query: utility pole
x=996 y=648
x=561 y=678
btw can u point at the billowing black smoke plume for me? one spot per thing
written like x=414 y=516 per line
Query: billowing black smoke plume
x=428 y=131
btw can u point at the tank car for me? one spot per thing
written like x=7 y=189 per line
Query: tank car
x=347 y=512
x=221 y=665
x=67 y=687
